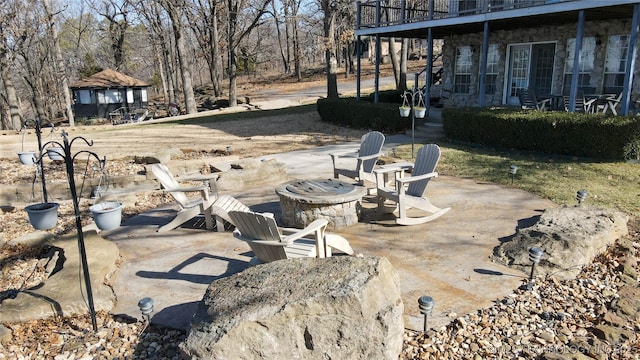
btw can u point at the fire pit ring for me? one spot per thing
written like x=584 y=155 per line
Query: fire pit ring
x=303 y=201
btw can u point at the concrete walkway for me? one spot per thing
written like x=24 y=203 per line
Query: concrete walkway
x=447 y=259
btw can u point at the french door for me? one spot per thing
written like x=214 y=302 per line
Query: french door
x=530 y=66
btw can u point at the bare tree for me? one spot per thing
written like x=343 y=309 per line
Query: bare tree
x=334 y=11
x=204 y=22
x=284 y=49
x=10 y=35
x=60 y=69
x=251 y=13
x=152 y=15
x=175 y=9
x=34 y=55
x=115 y=12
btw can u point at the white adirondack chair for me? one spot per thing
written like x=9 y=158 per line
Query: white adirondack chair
x=208 y=203
x=270 y=243
x=370 y=149
x=409 y=190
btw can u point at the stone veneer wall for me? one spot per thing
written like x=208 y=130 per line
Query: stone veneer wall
x=560 y=34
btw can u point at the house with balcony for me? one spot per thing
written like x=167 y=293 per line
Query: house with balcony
x=495 y=48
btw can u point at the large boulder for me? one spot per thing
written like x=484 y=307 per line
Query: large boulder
x=334 y=308
x=570 y=236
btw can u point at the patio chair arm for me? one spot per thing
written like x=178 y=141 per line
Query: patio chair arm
x=315 y=227
x=188 y=188
x=348 y=152
x=409 y=179
x=368 y=157
x=239 y=236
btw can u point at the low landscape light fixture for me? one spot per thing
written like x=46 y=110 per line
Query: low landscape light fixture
x=581 y=196
x=513 y=170
x=146 y=307
x=425 y=303
x=535 y=254
x=228 y=150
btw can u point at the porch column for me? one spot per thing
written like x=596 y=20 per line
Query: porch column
x=358 y=51
x=429 y=74
x=576 y=62
x=483 y=64
x=376 y=81
x=631 y=62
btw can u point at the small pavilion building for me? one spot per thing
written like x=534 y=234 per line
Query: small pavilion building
x=106 y=93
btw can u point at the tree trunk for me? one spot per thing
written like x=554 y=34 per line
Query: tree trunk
x=59 y=65
x=285 y=63
x=10 y=90
x=183 y=63
x=330 y=55
x=297 y=55
x=216 y=70
x=233 y=66
x=402 y=84
x=12 y=99
x=395 y=63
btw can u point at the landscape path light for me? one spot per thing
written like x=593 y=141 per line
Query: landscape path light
x=535 y=254
x=513 y=170
x=581 y=196
x=425 y=303
x=146 y=307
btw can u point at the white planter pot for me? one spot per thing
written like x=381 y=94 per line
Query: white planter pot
x=27 y=157
x=107 y=215
x=404 y=111
x=419 y=112
x=55 y=153
x=43 y=216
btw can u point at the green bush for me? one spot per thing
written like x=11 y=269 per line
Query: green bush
x=555 y=132
x=386 y=96
x=363 y=115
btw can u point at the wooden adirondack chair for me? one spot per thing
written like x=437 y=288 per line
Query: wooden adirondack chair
x=209 y=204
x=409 y=190
x=270 y=243
x=370 y=149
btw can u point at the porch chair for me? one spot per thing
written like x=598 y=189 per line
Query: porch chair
x=370 y=149
x=409 y=190
x=529 y=100
x=613 y=102
x=208 y=203
x=582 y=105
x=270 y=243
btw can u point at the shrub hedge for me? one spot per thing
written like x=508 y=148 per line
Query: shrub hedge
x=557 y=132
x=348 y=112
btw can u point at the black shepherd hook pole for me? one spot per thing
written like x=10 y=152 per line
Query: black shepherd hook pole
x=68 y=160
x=38 y=129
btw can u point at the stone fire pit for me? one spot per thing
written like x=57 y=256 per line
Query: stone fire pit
x=303 y=201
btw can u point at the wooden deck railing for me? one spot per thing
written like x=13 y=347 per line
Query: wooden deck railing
x=380 y=13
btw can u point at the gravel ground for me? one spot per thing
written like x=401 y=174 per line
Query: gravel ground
x=588 y=315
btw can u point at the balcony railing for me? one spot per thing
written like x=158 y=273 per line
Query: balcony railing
x=379 y=13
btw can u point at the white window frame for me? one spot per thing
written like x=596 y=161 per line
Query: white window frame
x=493 y=61
x=585 y=64
x=463 y=67
x=616 y=61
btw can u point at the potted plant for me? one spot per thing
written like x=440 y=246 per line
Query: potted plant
x=405 y=108
x=43 y=216
x=107 y=215
x=420 y=109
